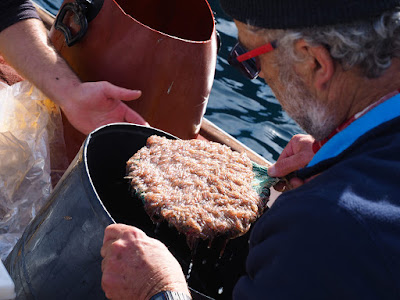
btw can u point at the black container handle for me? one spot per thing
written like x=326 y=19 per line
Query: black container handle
x=84 y=11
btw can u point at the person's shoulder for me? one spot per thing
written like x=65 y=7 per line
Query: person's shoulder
x=344 y=216
x=321 y=209
x=309 y=234
x=313 y=248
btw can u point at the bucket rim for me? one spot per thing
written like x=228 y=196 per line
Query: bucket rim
x=86 y=144
x=206 y=41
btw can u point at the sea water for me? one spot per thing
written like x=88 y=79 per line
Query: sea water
x=245 y=109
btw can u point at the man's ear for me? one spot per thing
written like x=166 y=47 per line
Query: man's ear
x=319 y=62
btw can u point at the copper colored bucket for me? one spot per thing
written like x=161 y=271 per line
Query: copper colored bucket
x=167 y=49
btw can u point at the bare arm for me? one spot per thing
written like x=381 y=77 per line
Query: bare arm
x=25 y=45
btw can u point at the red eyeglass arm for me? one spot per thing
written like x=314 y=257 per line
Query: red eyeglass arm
x=256 y=52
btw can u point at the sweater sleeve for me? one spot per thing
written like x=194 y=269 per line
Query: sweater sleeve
x=13 y=11
x=308 y=247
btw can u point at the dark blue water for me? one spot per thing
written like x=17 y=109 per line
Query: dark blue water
x=245 y=109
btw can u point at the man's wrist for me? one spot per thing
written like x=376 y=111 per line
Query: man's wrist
x=171 y=295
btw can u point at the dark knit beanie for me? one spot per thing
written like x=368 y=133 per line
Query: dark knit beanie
x=290 y=14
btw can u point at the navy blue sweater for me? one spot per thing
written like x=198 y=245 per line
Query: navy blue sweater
x=338 y=236
x=13 y=11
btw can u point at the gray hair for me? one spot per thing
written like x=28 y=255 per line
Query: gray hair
x=364 y=44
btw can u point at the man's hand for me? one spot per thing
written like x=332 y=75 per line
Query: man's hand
x=25 y=45
x=296 y=155
x=93 y=104
x=136 y=266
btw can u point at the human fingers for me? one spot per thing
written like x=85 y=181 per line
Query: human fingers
x=117 y=231
x=113 y=277
x=112 y=232
x=297 y=154
x=132 y=116
x=285 y=166
x=106 y=248
x=119 y=93
x=109 y=282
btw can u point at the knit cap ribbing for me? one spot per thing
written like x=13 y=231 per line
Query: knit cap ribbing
x=290 y=14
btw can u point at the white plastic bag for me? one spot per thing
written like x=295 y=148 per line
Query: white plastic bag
x=30 y=126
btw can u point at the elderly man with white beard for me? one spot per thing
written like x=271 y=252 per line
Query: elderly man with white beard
x=334 y=66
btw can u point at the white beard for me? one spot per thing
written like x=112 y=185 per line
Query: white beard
x=310 y=114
